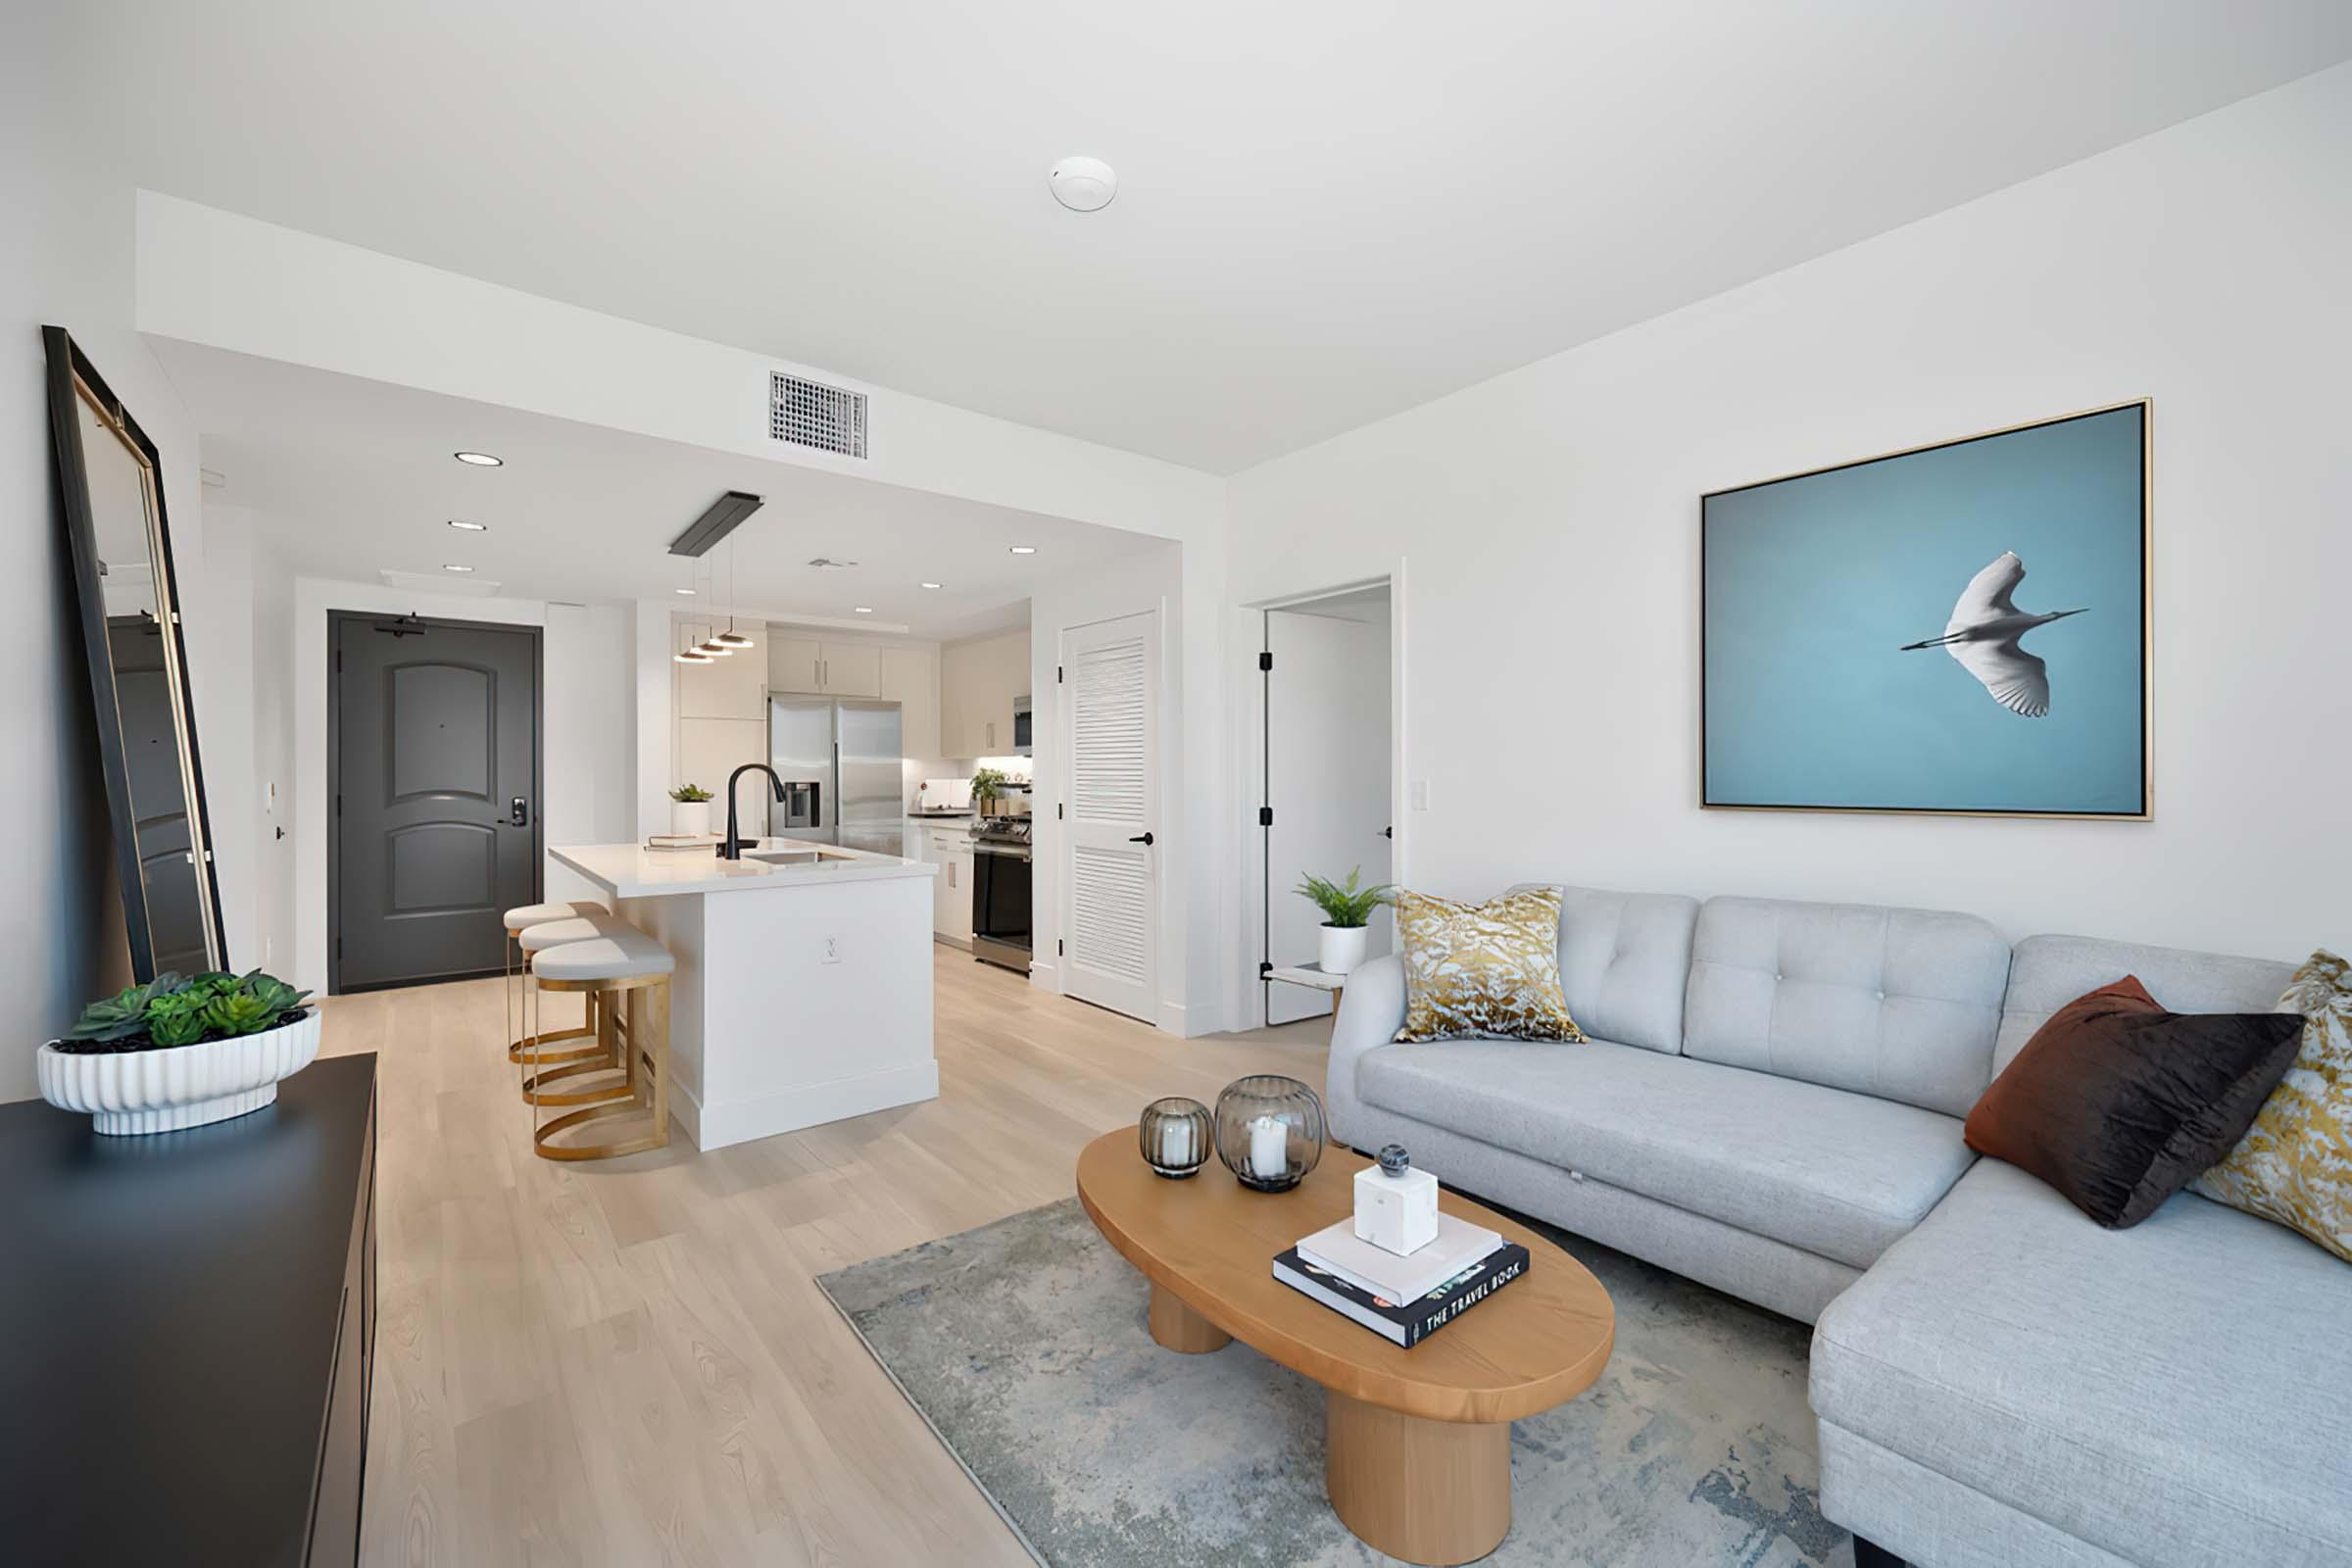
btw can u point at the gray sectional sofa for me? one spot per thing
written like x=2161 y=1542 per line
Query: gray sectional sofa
x=1771 y=1103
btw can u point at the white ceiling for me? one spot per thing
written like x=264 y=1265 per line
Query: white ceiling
x=353 y=477
x=1329 y=210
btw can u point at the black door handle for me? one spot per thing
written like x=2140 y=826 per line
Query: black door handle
x=520 y=813
x=1141 y=838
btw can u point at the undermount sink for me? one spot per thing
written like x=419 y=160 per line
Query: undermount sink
x=800 y=857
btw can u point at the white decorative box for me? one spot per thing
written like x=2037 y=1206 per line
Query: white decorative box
x=1396 y=1205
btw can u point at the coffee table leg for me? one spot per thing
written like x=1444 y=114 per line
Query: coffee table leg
x=1428 y=1491
x=1180 y=1328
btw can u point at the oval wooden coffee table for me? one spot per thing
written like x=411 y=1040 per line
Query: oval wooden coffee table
x=1418 y=1459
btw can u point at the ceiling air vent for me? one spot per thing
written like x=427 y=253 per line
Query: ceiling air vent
x=828 y=564
x=810 y=414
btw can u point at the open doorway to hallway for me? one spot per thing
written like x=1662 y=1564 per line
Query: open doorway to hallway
x=1326 y=807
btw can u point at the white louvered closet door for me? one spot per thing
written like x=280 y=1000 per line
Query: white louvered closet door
x=1110 y=877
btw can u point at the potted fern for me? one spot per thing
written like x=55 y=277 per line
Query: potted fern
x=1347 y=910
x=181 y=1052
x=690 y=811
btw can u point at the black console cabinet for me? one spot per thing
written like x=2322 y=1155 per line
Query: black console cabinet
x=187 y=1332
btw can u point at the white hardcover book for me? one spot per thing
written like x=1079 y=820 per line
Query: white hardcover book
x=1384 y=1273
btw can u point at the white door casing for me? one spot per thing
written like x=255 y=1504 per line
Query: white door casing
x=1110 y=877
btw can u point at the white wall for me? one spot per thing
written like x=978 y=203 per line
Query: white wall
x=1549 y=516
x=65 y=258
x=589 y=743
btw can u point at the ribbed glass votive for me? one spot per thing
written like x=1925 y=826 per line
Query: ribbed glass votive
x=1173 y=1135
x=1269 y=1131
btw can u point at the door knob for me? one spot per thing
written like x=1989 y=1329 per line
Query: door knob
x=1144 y=839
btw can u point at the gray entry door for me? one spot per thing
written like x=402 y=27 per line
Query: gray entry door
x=437 y=750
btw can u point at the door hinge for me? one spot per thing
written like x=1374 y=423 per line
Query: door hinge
x=1265 y=968
x=1056 y=675
x=1265 y=816
x=1060 y=947
x=1265 y=659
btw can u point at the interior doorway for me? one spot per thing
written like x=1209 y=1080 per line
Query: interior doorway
x=434 y=782
x=1329 y=749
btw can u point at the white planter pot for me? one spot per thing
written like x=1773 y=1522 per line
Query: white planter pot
x=170 y=1087
x=1342 y=947
x=690 y=816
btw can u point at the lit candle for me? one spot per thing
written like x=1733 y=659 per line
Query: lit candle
x=1176 y=1144
x=1269 y=1149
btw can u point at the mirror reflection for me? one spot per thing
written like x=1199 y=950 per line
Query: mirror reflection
x=168 y=842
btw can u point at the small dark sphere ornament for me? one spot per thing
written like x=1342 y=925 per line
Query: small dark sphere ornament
x=1270 y=1131
x=1394 y=1160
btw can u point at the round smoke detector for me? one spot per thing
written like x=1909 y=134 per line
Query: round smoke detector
x=1083 y=184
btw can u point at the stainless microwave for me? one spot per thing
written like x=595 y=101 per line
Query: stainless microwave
x=1021 y=726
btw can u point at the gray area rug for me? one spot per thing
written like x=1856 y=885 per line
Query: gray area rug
x=1024 y=1345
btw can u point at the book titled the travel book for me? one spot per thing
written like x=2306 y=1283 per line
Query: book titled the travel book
x=1406 y=1323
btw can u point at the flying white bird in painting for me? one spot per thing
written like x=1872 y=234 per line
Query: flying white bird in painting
x=1983 y=635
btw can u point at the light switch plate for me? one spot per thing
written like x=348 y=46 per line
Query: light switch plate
x=1420 y=794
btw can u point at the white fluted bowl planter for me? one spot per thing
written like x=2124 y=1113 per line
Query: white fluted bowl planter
x=165 y=1088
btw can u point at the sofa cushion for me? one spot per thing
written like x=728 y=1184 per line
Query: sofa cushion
x=2172 y=1393
x=1624 y=957
x=2048 y=972
x=1900 y=1003
x=1838 y=1174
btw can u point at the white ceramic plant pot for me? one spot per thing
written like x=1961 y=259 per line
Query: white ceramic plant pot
x=165 y=1088
x=690 y=816
x=1342 y=947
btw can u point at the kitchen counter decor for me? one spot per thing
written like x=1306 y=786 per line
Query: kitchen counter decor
x=1270 y=1131
x=181 y=1052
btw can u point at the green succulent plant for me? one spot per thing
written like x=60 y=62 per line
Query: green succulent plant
x=1345 y=903
x=988 y=783
x=688 y=794
x=171 y=1010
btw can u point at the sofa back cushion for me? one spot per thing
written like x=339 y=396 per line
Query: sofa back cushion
x=2049 y=972
x=1624 y=957
x=1901 y=1004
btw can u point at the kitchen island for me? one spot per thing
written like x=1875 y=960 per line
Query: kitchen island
x=803 y=991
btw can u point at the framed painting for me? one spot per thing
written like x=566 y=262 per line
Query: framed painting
x=1959 y=628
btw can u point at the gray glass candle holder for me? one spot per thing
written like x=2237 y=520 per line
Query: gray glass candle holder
x=1269 y=1131
x=1173 y=1135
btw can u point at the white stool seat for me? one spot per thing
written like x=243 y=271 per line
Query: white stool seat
x=531 y=914
x=579 y=928
x=623 y=955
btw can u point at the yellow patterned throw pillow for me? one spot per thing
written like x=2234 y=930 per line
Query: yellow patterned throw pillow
x=1489 y=971
x=2294 y=1166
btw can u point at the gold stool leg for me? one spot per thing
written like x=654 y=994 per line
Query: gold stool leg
x=639 y=1012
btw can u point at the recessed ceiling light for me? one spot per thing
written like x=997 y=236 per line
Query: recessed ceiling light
x=1025 y=550
x=457 y=568
x=930 y=585
x=863 y=609
x=469 y=527
x=480 y=459
x=688 y=592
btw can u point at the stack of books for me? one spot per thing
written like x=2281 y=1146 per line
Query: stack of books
x=685 y=840
x=1403 y=1299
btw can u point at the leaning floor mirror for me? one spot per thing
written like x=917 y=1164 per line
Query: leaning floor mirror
x=111 y=503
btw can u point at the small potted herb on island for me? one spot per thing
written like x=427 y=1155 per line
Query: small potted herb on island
x=181 y=1052
x=1347 y=910
x=690 y=811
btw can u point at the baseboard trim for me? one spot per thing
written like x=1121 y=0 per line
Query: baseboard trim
x=739 y=1121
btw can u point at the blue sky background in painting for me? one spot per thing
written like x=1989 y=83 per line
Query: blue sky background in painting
x=1815 y=584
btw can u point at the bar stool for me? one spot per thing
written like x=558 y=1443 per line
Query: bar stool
x=517 y=921
x=541 y=1067
x=628 y=973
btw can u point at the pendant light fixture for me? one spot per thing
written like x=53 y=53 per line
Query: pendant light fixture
x=712 y=647
x=730 y=638
x=691 y=654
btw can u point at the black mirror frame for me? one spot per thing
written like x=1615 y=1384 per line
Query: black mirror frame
x=67 y=364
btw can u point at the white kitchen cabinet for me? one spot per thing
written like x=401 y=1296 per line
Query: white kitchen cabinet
x=792 y=663
x=978 y=681
x=911 y=679
x=951 y=850
x=709 y=749
x=851 y=670
x=732 y=687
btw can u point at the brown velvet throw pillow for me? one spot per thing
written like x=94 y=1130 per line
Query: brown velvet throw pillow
x=2119 y=1104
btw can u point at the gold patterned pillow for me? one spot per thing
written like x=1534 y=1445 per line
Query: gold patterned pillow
x=2294 y=1166
x=1489 y=971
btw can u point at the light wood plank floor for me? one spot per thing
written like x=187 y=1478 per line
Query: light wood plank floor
x=629 y=1361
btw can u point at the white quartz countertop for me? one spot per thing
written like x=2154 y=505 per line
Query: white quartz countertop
x=633 y=871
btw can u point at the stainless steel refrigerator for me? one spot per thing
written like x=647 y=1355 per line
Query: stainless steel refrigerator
x=839 y=760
